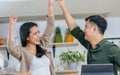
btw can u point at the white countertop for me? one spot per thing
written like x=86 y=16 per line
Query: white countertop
x=8 y=70
x=11 y=71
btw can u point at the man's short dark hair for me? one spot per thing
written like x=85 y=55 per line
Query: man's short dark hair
x=99 y=21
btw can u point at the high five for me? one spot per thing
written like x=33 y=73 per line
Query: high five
x=100 y=51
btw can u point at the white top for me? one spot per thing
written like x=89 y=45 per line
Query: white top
x=40 y=66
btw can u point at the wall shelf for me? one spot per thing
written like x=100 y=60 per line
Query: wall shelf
x=3 y=46
x=51 y=45
x=113 y=38
x=55 y=45
x=62 y=44
x=67 y=72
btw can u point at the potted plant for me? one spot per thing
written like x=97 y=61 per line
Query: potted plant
x=72 y=59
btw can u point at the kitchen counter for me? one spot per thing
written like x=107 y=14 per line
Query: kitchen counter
x=67 y=72
x=12 y=71
x=8 y=71
x=17 y=74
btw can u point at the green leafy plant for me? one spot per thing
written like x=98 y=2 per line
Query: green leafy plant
x=71 y=56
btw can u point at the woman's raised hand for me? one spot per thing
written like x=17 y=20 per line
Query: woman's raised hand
x=51 y=2
x=13 y=19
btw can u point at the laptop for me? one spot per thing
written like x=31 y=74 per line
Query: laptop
x=97 y=69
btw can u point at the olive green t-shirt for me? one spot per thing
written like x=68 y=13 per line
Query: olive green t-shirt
x=105 y=51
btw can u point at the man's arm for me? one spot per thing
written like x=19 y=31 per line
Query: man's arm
x=68 y=18
x=72 y=25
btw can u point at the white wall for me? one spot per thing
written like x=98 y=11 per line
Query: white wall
x=112 y=31
x=35 y=7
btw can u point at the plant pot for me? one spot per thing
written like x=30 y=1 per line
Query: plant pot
x=72 y=65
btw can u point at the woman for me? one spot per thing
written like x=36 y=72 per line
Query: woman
x=33 y=56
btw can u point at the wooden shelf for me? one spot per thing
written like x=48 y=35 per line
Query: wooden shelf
x=62 y=44
x=67 y=72
x=52 y=44
x=3 y=46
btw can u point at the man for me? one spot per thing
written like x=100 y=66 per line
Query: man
x=100 y=51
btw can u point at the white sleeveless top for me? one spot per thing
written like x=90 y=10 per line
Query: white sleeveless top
x=40 y=66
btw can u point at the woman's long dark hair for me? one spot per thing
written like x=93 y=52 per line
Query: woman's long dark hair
x=24 y=33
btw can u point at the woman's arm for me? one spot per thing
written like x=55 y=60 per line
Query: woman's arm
x=13 y=20
x=51 y=4
x=13 y=49
x=50 y=22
